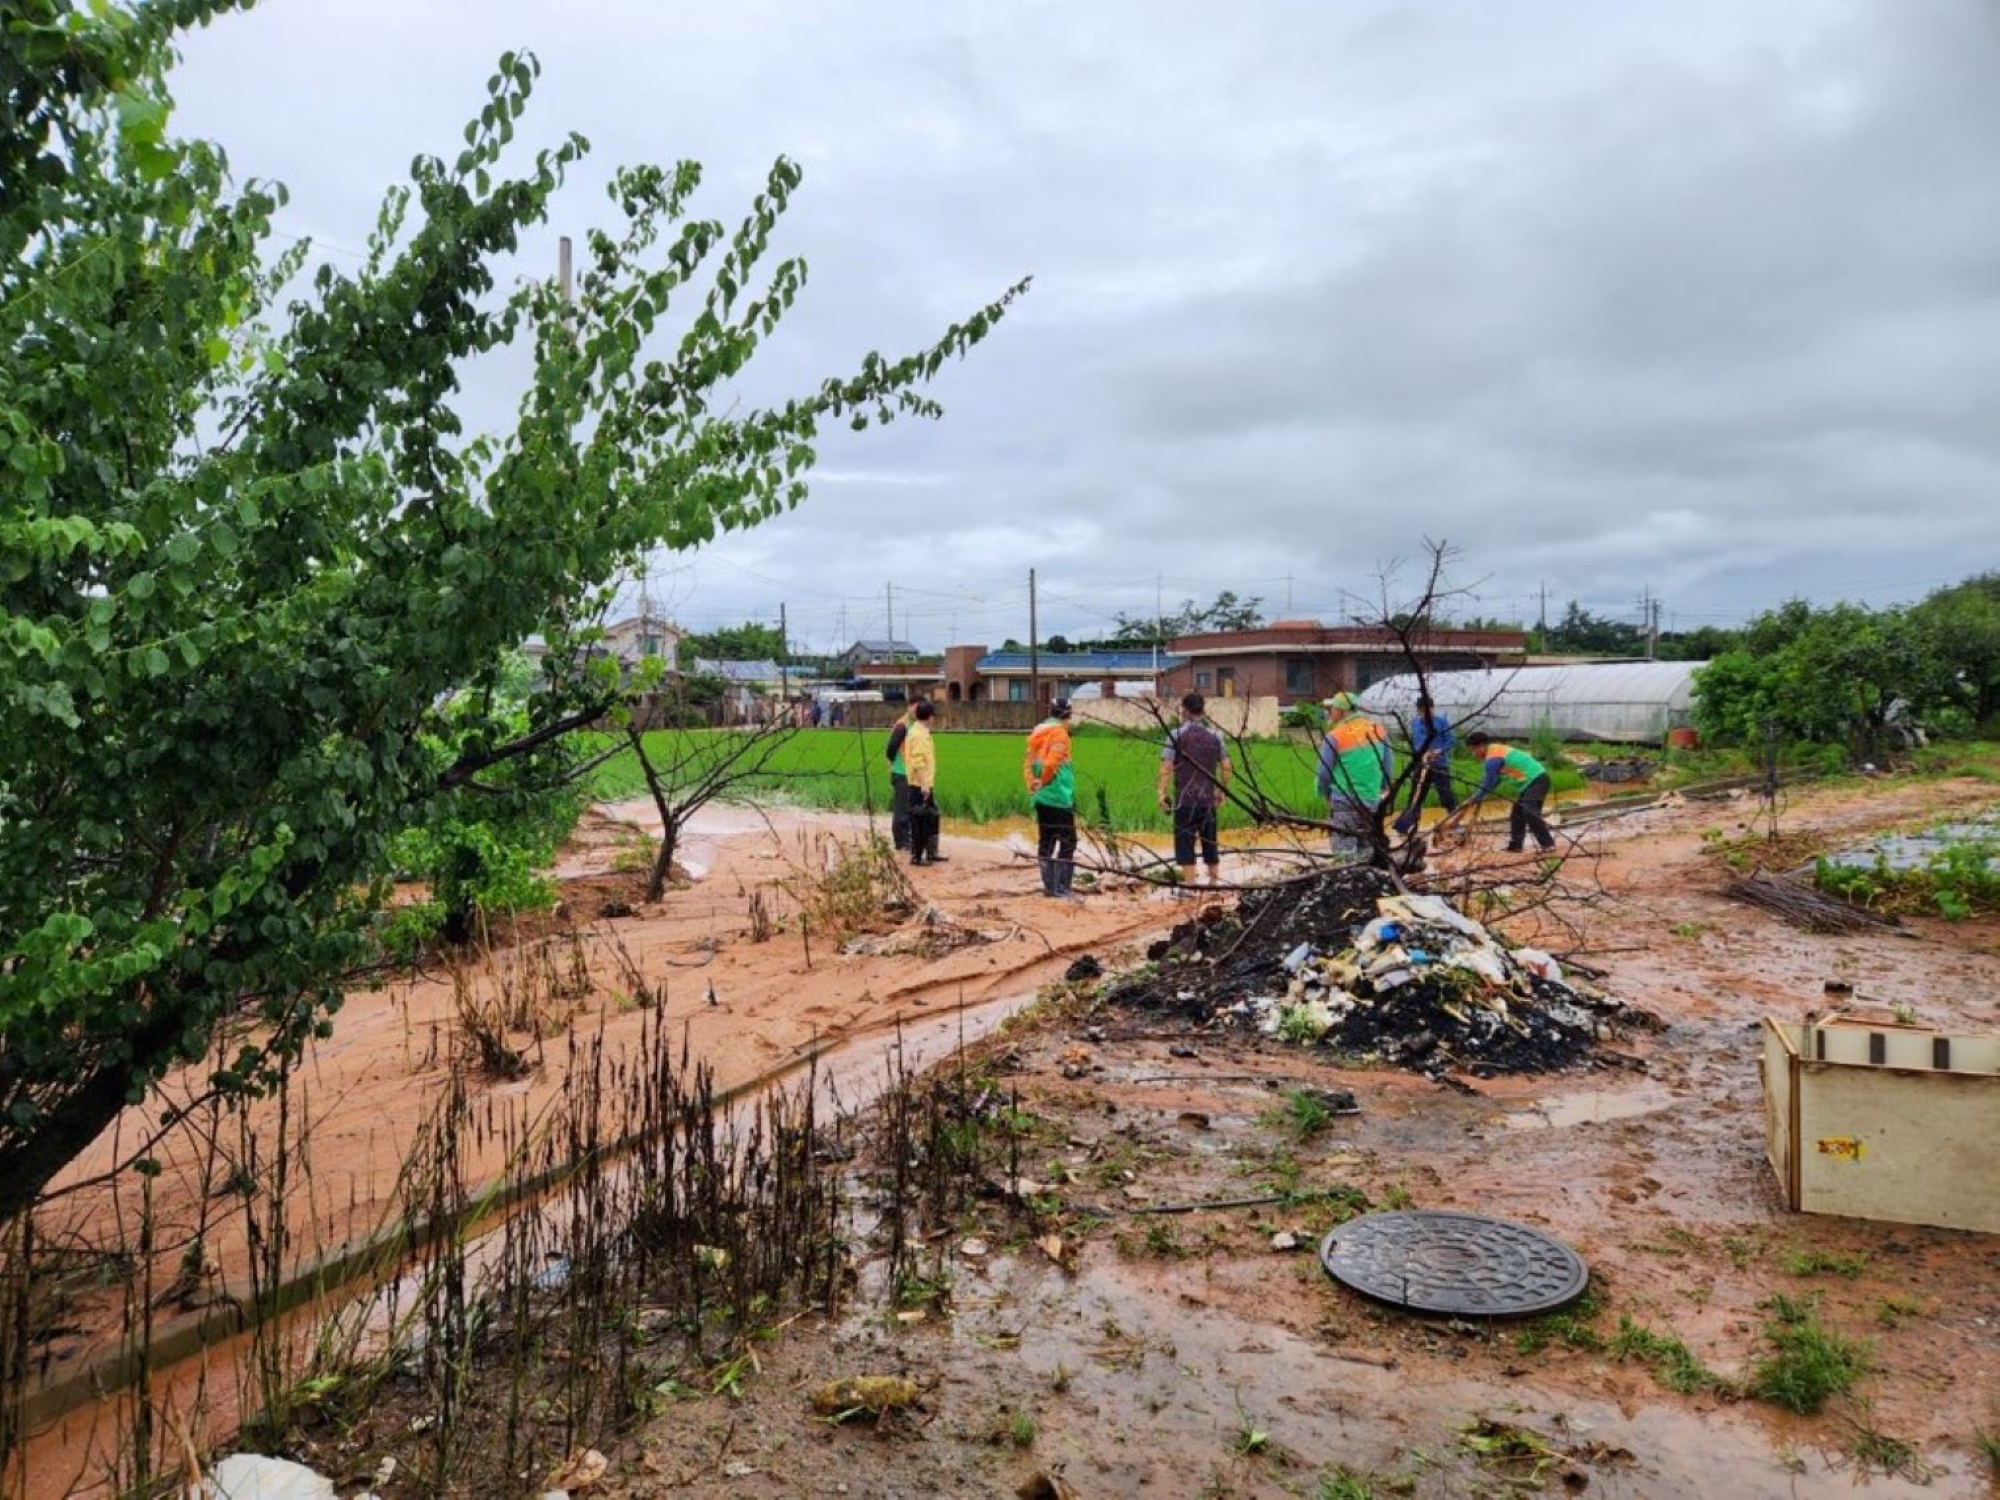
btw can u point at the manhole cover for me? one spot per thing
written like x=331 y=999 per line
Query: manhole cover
x=1433 y=1261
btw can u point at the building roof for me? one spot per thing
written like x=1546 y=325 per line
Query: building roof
x=1078 y=663
x=642 y=624
x=1310 y=638
x=882 y=648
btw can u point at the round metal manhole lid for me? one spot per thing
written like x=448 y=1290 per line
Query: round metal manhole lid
x=1433 y=1261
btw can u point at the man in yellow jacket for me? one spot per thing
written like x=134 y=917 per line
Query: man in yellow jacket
x=920 y=757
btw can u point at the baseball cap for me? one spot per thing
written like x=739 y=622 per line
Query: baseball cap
x=1340 y=703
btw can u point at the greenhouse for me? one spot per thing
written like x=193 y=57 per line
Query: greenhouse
x=1631 y=702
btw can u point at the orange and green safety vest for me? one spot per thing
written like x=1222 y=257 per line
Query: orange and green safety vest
x=1046 y=767
x=1355 y=761
x=1515 y=765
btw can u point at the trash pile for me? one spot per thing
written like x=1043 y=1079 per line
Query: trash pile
x=1347 y=961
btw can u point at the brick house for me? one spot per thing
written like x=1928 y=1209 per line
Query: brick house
x=1302 y=661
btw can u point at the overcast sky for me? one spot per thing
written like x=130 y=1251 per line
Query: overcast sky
x=1701 y=298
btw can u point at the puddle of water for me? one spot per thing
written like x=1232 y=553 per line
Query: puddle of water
x=1588 y=1107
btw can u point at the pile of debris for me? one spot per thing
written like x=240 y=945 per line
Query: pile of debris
x=1345 y=960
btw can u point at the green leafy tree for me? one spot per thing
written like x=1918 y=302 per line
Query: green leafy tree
x=1581 y=633
x=1963 y=624
x=1835 y=675
x=248 y=545
x=746 y=642
x=1228 y=612
x=1704 y=643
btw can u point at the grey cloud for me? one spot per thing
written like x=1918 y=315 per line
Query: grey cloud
x=1705 y=297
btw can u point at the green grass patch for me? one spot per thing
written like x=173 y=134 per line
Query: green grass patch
x=1826 y=1263
x=1570 y=1326
x=1672 y=1363
x=1302 y=1115
x=1810 y=1362
x=979 y=775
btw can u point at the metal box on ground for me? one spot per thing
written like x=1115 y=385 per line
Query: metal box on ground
x=1875 y=1119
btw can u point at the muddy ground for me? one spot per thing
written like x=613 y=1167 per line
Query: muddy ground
x=1179 y=1353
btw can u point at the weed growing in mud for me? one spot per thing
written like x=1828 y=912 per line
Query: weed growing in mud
x=1812 y=1362
x=1523 y=1455
x=1281 y=1172
x=1326 y=1208
x=1673 y=1364
x=1826 y=1262
x=1741 y=1249
x=1894 y=1311
x=1344 y=1484
x=1877 y=1451
x=1303 y=1115
x=843 y=888
x=1162 y=1241
x=1020 y=1429
x=1673 y=1241
x=1988 y=1444
x=1250 y=1440
x=1570 y=1327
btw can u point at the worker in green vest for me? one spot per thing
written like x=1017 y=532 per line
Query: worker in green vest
x=1531 y=780
x=1356 y=767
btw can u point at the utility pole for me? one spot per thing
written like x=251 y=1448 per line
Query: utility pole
x=563 y=278
x=1543 y=617
x=1649 y=620
x=1653 y=633
x=889 y=603
x=1034 y=649
x=784 y=658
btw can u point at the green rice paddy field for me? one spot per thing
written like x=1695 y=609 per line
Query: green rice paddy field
x=979 y=775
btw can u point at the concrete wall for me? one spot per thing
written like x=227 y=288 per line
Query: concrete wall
x=1248 y=718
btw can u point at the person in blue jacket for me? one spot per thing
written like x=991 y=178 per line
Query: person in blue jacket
x=1432 y=740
